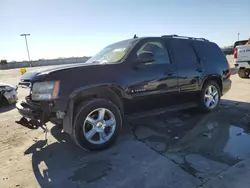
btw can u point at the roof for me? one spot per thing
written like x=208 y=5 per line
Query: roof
x=174 y=36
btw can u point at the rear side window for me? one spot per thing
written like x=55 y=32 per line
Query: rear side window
x=209 y=52
x=182 y=52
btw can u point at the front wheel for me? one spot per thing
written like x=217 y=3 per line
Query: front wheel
x=210 y=96
x=97 y=124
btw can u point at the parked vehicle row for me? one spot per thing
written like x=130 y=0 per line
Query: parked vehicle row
x=91 y=100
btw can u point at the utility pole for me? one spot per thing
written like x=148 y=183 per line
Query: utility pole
x=25 y=35
x=238 y=36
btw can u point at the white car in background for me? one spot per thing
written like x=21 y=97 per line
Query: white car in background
x=8 y=94
x=242 y=58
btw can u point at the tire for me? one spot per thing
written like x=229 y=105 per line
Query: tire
x=203 y=100
x=243 y=73
x=80 y=126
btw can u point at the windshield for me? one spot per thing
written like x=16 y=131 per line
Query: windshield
x=113 y=53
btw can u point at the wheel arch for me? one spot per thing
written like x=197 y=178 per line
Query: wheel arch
x=213 y=77
x=110 y=92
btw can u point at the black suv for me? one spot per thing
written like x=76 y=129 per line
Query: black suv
x=90 y=100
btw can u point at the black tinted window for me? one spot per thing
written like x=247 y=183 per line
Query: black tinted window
x=182 y=52
x=209 y=51
x=158 y=50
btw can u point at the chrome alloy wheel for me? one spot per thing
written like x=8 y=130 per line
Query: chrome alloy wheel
x=211 y=97
x=99 y=126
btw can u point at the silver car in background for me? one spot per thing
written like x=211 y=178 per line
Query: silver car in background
x=8 y=94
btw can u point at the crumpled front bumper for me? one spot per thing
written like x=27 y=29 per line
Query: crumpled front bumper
x=34 y=110
x=33 y=113
x=28 y=111
x=43 y=112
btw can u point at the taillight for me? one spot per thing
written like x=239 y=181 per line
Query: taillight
x=235 y=53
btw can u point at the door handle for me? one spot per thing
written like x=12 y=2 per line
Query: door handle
x=200 y=69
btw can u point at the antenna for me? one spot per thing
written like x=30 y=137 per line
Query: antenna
x=135 y=36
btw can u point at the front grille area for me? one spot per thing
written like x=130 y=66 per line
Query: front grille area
x=24 y=90
x=24 y=84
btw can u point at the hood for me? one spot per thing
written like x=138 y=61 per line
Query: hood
x=3 y=84
x=32 y=75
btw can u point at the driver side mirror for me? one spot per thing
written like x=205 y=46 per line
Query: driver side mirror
x=146 y=57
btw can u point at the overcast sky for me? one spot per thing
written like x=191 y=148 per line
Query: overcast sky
x=66 y=28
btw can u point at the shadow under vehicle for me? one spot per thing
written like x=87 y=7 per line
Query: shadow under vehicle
x=202 y=145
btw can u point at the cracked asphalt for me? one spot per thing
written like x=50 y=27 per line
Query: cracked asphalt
x=174 y=149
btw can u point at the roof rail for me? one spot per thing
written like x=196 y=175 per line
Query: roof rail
x=185 y=37
x=174 y=35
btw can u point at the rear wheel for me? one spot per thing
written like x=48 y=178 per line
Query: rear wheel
x=97 y=124
x=244 y=73
x=210 y=96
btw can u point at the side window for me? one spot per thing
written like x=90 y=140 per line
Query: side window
x=160 y=53
x=209 y=52
x=183 y=53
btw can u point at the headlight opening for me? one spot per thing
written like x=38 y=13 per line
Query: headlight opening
x=45 y=90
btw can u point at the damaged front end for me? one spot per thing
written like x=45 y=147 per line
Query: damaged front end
x=39 y=106
x=34 y=114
